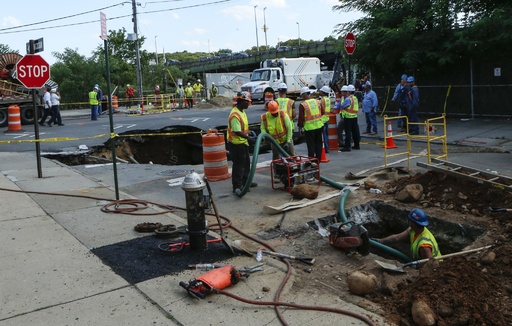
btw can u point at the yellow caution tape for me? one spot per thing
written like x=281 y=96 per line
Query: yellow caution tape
x=446 y=98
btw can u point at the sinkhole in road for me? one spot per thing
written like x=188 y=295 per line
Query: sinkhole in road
x=172 y=145
x=382 y=219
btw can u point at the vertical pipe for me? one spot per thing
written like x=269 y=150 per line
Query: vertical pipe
x=137 y=51
x=256 y=24
x=471 y=86
x=196 y=220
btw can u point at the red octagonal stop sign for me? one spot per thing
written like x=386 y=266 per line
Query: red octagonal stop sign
x=350 y=43
x=32 y=71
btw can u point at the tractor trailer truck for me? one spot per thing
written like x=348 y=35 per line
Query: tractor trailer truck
x=295 y=72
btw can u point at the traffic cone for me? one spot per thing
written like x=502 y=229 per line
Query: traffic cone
x=390 y=143
x=324 y=158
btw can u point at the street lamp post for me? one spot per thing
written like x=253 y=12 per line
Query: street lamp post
x=256 y=24
x=298 y=29
x=265 y=28
x=156 y=51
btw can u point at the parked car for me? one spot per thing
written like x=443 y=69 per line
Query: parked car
x=284 y=48
x=224 y=55
x=240 y=55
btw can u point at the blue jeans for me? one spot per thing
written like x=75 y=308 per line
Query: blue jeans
x=326 y=136
x=94 y=112
x=371 y=121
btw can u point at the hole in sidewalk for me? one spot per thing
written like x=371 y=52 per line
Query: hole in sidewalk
x=382 y=219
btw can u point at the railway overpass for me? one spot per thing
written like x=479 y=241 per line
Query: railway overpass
x=326 y=52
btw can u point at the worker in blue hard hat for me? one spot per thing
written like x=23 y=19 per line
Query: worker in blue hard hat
x=423 y=243
x=413 y=101
x=399 y=98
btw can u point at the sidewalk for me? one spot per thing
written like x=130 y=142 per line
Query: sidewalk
x=50 y=275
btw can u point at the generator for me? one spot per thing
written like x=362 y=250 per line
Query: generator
x=295 y=170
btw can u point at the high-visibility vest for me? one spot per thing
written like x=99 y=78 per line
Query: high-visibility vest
x=244 y=123
x=189 y=91
x=326 y=102
x=312 y=115
x=286 y=105
x=423 y=238
x=276 y=128
x=351 y=111
x=93 y=99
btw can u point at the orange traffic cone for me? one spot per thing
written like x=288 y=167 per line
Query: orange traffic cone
x=390 y=143
x=324 y=158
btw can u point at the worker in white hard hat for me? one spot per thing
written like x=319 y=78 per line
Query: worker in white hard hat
x=325 y=102
x=180 y=95
x=198 y=89
x=310 y=123
x=214 y=90
x=287 y=105
x=189 y=96
x=350 y=108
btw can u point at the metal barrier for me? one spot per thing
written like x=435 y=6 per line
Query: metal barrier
x=434 y=129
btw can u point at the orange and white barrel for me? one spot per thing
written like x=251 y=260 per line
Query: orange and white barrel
x=14 y=118
x=115 y=103
x=332 y=132
x=215 y=159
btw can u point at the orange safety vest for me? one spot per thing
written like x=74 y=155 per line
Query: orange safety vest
x=278 y=131
x=312 y=115
x=326 y=103
x=242 y=118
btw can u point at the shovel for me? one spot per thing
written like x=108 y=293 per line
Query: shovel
x=218 y=217
x=400 y=268
x=309 y=261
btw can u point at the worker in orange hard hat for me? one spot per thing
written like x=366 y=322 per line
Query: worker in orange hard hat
x=278 y=124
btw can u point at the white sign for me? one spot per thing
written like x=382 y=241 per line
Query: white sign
x=103 y=22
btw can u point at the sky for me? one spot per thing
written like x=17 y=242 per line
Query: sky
x=168 y=25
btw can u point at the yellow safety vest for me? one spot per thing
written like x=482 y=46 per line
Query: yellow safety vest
x=197 y=87
x=312 y=115
x=277 y=126
x=93 y=98
x=351 y=111
x=286 y=105
x=423 y=238
x=326 y=101
x=189 y=91
x=244 y=123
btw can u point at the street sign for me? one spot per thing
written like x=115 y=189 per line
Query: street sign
x=350 y=43
x=35 y=46
x=103 y=23
x=32 y=71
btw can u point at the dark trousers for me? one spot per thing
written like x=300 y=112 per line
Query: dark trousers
x=325 y=134
x=341 y=128
x=351 y=132
x=412 y=115
x=314 y=142
x=241 y=164
x=55 y=115
x=46 y=113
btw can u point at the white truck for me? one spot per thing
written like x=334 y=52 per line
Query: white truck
x=295 y=72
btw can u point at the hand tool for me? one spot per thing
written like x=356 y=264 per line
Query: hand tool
x=309 y=261
x=499 y=210
x=217 y=216
x=400 y=268
x=177 y=246
x=278 y=225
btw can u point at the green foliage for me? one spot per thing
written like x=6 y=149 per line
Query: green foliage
x=4 y=48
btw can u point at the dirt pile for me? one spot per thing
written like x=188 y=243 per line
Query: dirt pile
x=216 y=102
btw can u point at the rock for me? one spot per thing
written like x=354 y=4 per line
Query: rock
x=444 y=310
x=265 y=288
x=369 y=184
x=410 y=193
x=361 y=282
x=462 y=196
x=488 y=258
x=305 y=191
x=422 y=314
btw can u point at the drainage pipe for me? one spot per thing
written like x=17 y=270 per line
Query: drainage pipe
x=346 y=191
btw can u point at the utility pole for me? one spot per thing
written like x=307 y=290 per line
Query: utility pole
x=265 y=28
x=156 y=51
x=137 y=51
x=256 y=24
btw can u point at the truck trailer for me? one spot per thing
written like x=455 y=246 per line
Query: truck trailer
x=294 y=72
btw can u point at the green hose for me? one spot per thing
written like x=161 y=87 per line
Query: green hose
x=341 y=207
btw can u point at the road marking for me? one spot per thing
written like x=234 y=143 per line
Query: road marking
x=192 y=119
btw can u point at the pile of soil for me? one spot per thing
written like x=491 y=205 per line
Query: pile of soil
x=216 y=102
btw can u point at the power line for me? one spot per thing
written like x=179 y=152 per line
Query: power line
x=97 y=20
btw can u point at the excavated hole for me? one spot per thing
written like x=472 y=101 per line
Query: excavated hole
x=382 y=219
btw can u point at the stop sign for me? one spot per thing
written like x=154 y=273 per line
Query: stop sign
x=350 y=43
x=32 y=71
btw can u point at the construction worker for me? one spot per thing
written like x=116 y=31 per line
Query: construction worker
x=413 y=101
x=399 y=96
x=198 y=89
x=189 y=94
x=369 y=106
x=278 y=124
x=325 y=102
x=93 y=101
x=341 y=127
x=349 y=110
x=130 y=94
x=287 y=105
x=423 y=243
x=180 y=95
x=310 y=123
x=214 y=90
x=238 y=143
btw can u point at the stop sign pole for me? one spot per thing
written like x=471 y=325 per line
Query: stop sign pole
x=350 y=47
x=33 y=72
